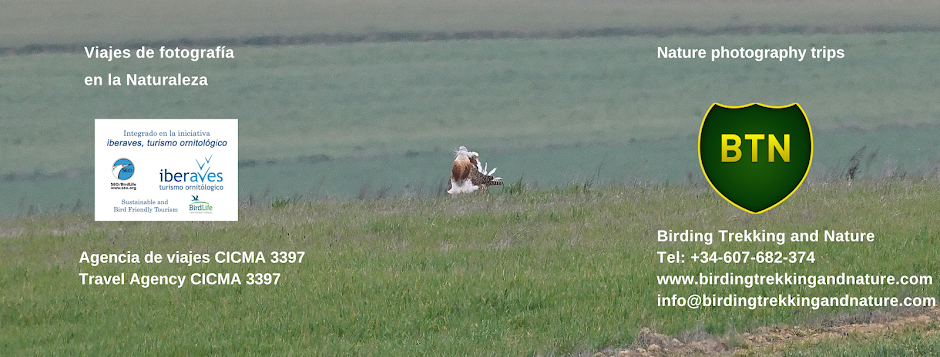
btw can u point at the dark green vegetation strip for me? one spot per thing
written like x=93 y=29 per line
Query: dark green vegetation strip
x=548 y=271
x=31 y=26
x=340 y=38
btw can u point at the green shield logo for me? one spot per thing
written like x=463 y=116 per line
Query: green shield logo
x=755 y=155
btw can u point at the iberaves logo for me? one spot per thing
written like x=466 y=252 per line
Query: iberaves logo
x=197 y=206
x=203 y=175
x=201 y=179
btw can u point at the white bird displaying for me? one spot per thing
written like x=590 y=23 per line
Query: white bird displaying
x=468 y=175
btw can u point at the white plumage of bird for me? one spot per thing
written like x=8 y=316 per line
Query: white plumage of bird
x=468 y=175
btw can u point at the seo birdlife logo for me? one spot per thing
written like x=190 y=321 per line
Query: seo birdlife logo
x=122 y=169
x=755 y=156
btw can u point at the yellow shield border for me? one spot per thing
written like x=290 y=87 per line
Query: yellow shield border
x=808 y=166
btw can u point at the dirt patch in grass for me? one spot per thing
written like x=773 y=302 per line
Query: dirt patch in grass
x=775 y=339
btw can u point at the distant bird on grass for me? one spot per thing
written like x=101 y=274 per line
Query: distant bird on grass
x=468 y=175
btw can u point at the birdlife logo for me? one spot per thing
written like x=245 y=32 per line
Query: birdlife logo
x=755 y=155
x=122 y=169
x=197 y=206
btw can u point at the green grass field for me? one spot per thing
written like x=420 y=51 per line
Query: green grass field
x=594 y=136
x=548 y=272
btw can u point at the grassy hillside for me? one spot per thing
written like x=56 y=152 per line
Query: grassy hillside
x=373 y=99
x=517 y=273
x=322 y=120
